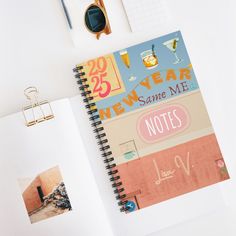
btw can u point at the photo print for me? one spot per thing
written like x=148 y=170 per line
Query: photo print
x=45 y=195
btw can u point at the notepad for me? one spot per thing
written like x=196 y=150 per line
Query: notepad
x=147 y=14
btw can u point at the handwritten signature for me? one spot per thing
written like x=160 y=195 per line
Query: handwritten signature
x=163 y=175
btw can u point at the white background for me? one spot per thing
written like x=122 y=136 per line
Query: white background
x=36 y=49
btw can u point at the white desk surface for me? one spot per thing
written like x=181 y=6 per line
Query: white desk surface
x=36 y=49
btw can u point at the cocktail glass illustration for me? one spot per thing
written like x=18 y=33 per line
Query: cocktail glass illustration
x=172 y=46
x=149 y=58
x=126 y=60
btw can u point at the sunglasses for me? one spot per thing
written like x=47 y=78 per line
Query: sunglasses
x=96 y=19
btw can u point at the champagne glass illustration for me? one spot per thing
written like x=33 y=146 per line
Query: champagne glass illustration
x=172 y=46
x=126 y=60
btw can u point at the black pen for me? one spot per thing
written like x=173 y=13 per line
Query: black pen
x=66 y=13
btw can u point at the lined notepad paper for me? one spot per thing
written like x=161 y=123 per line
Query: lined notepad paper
x=146 y=14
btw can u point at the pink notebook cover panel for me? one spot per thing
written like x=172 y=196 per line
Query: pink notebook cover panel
x=174 y=171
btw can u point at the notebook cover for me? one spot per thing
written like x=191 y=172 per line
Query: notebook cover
x=155 y=120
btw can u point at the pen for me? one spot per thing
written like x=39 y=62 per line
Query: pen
x=66 y=13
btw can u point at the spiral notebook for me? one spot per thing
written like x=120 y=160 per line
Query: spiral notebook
x=152 y=125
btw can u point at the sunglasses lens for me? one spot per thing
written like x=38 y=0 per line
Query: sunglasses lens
x=95 y=19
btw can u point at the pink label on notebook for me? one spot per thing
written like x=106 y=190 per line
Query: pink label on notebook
x=162 y=123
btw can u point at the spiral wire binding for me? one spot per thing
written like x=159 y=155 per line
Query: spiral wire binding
x=101 y=137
